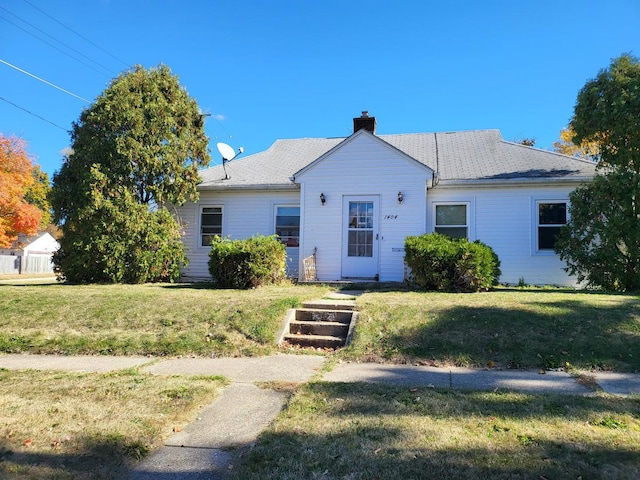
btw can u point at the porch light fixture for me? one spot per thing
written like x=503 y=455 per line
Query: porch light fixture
x=323 y=199
x=400 y=197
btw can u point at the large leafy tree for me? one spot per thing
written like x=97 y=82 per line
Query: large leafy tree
x=601 y=242
x=587 y=149
x=38 y=194
x=17 y=215
x=135 y=151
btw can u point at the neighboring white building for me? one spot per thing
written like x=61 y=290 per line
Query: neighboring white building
x=354 y=200
x=29 y=254
x=41 y=244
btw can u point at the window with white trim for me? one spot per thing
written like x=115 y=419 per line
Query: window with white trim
x=287 y=225
x=210 y=224
x=551 y=217
x=452 y=219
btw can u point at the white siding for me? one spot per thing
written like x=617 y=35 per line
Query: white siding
x=362 y=167
x=504 y=219
x=45 y=244
x=245 y=214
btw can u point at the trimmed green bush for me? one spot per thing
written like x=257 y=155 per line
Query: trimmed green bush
x=439 y=262
x=247 y=263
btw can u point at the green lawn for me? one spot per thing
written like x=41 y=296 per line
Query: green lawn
x=332 y=431
x=67 y=426
x=361 y=431
x=176 y=319
x=538 y=328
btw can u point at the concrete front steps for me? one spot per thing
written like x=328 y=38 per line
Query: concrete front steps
x=320 y=324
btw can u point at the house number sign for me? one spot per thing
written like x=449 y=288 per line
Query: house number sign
x=390 y=217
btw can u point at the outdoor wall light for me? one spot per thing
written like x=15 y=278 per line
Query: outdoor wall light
x=400 y=197
x=323 y=199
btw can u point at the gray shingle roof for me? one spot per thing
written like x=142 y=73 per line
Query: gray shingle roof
x=458 y=157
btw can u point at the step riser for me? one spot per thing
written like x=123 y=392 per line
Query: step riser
x=329 y=306
x=323 y=316
x=330 y=325
x=318 y=328
x=314 y=342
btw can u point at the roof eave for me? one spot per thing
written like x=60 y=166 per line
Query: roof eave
x=511 y=182
x=269 y=186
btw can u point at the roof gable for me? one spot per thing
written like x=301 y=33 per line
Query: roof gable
x=354 y=137
x=40 y=240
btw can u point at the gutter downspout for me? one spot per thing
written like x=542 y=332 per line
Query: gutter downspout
x=436 y=174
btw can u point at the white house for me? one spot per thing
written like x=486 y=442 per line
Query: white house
x=353 y=201
x=29 y=254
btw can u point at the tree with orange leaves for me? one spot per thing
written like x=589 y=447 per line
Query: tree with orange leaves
x=16 y=176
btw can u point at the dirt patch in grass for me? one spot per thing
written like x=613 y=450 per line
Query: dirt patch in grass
x=89 y=426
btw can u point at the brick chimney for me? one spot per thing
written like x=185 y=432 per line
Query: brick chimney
x=366 y=122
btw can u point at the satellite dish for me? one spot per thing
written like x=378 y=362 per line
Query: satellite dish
x=228 y=154
x=227 y=151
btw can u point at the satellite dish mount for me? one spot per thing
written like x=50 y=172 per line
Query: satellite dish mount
x=228 y=154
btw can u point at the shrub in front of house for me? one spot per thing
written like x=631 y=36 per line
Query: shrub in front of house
x=439 y=262
x=247 y=263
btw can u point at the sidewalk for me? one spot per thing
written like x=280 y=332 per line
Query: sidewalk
x=236 y=418
x=486 y=379
x=300 y=368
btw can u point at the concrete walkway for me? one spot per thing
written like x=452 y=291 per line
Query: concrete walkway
x=204 y=449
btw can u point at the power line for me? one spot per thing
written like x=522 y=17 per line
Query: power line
x=53 y=46
x=44 y=81
x=35 y=115
x=55 y=39
x=76 y=33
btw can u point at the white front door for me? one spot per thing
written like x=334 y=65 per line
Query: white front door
x=360 y=236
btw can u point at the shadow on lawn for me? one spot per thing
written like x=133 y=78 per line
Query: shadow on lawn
x=190 y=286
x=416 y=463
x=458 y=435
x=539 y=333
x=93 y=458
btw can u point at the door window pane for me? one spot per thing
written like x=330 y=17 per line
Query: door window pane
x=360 y=214
x=360 y=229
x=360 y=243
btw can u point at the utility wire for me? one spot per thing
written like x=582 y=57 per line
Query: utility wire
x=35 y=115
x=76 y=33
x=53 y=46
x=44 y=81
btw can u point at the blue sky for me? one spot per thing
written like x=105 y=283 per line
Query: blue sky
x=289 y=69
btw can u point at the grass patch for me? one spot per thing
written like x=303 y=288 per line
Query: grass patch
x=362 y=431
x=535 y=328
x=541 y=328
x=178 y=319
x=86 y=425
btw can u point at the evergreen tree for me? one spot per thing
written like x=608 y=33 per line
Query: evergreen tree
x=135 y=151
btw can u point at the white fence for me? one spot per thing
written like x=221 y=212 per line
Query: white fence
x=14 y=264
